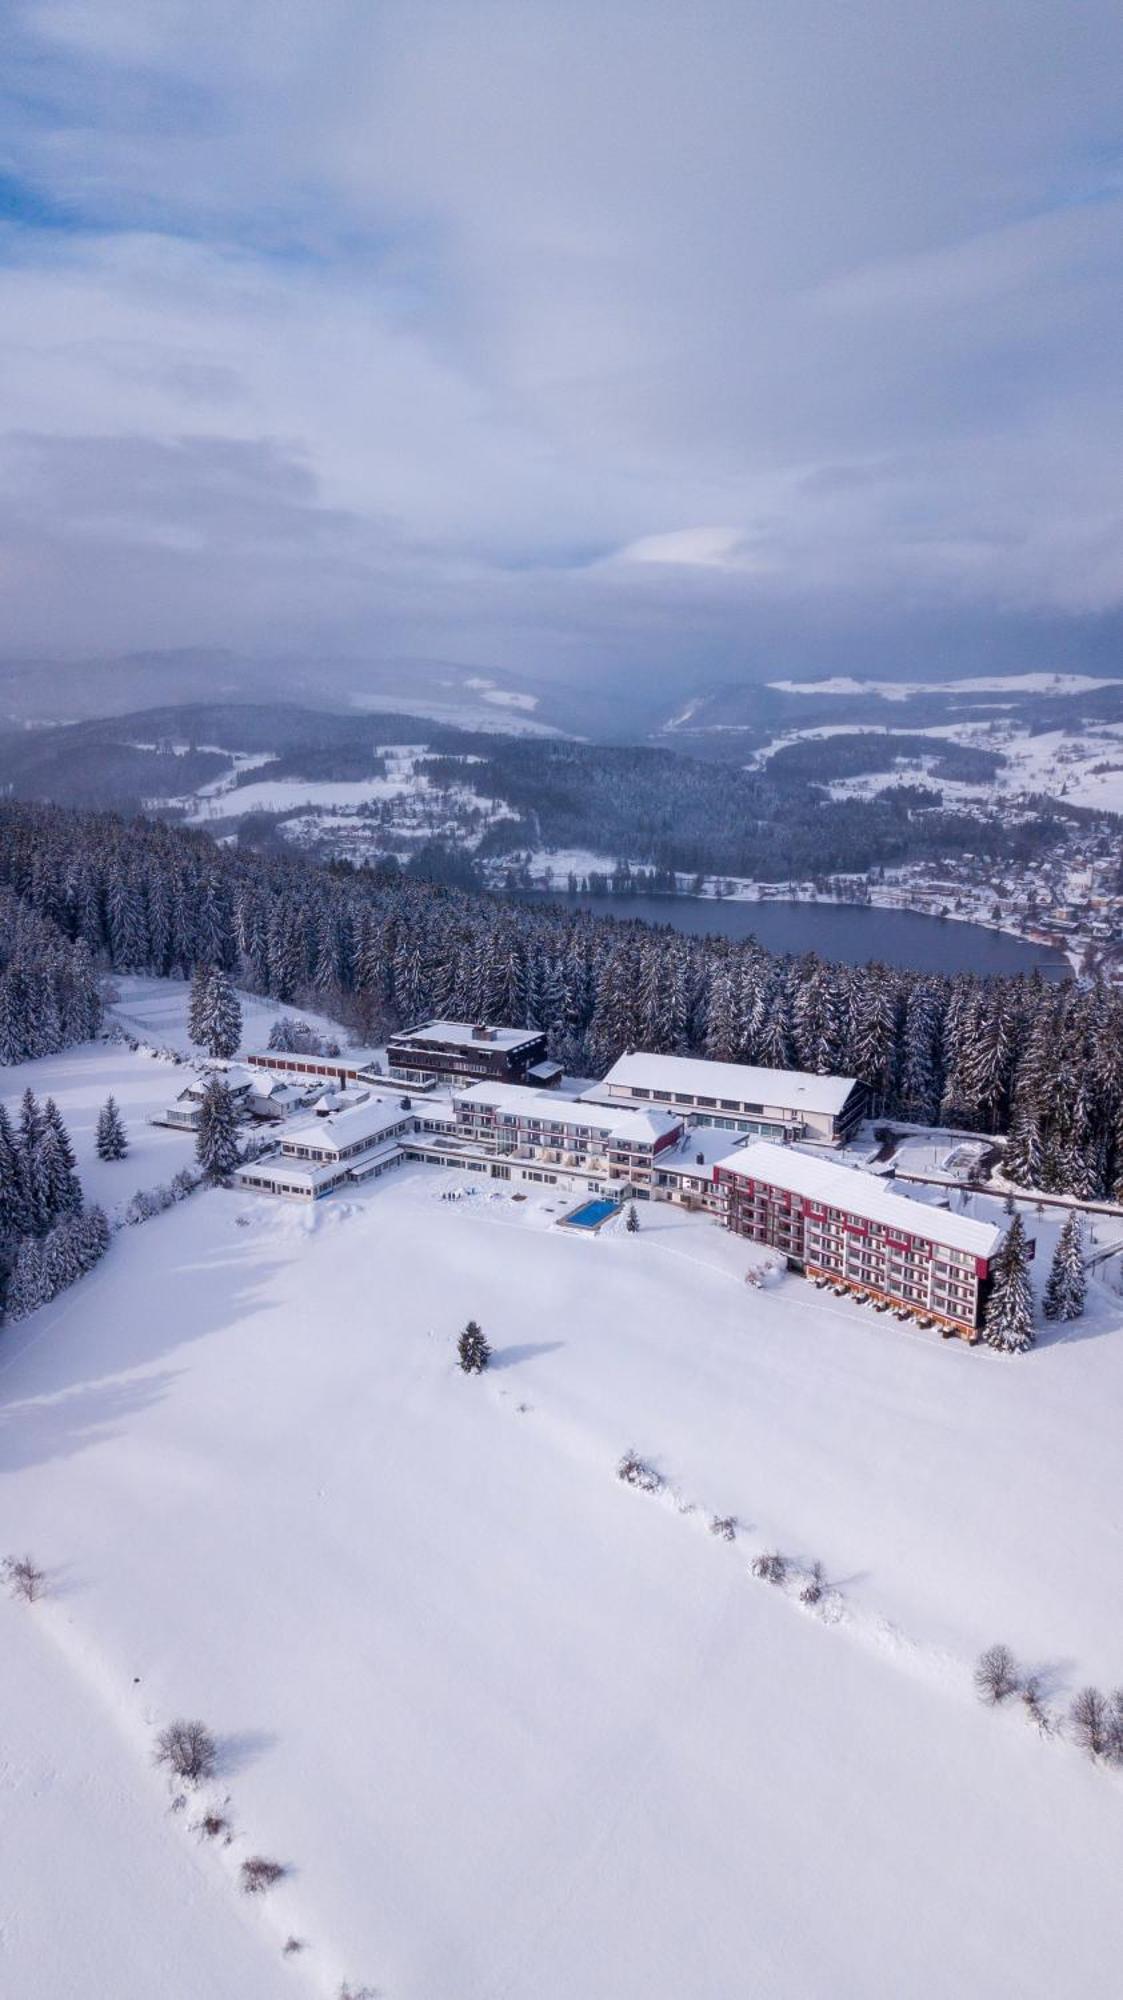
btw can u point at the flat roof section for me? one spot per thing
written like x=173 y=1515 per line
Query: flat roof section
x=463 y=1034
x=860 y=1194
x=786 y=1089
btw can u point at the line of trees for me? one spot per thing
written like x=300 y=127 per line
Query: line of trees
x=1043 y=1062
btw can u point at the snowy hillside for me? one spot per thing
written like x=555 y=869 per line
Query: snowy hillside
x=516 y=1731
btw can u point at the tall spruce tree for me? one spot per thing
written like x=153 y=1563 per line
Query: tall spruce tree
x=112 y=1139
x=1067 y=1284
x=225 y=1018
x=214 y=1017
x=216 y=1144
x=1009 y=1314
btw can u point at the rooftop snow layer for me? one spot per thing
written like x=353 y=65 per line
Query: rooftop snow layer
x=346 y=1128
x=618 y=1121
x=861 y=1194
x=783 y=1089
x=462 y=1034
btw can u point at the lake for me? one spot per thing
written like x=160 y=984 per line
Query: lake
x=851 y=932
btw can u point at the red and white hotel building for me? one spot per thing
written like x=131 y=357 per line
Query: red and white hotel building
x=838 y=1223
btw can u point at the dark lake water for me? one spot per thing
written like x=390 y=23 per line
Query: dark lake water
x=851 y=932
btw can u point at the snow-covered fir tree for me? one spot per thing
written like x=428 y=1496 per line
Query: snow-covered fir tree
x=1067 y=1284
x=64 y=1189
x=472 y=1350
x=1008 y=1324
x=214 y=1016
x=216 y=1144
x=112 y=1139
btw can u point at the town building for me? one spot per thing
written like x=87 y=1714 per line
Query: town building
x=458 y=1052
x=256 y=1094
x=353 y=1066
x=616 y=1142
x=322 y=1153
x=843 y=1227
x=684 y=1174
x=736 y=1097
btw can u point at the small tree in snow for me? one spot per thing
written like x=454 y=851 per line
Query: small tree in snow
x=1034 y=1707
x=1009 y=1315
x=996 y=1675
x=1090 y=1720
x=772 y=1568
x=632 y=1224
x=1067 y=1285
x=635 y=1471
x=260 y=1874
x=24 y=1578
x=473 y=1350
x=1115 y=1728
x=216 y=1142
x=815 y=1586
x=189 y=1751
x=112 y=1139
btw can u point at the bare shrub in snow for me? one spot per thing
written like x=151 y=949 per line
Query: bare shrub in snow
x=635 y=1471
x=212 y=1825
x=291 y=1946
x=347 y=1992
x=1034 y=1707
x=1115 y=1728
x=815 y=1585
x=773 y=1568
x=24 y=1578
x=260 y=1874
x=188 y=1749
x=1090 y=1720
x=996 y=1674
x=724 y=1526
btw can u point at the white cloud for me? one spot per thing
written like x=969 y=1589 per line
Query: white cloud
x=503 y=296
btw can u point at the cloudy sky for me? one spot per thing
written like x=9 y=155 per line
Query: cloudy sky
x=736 y=335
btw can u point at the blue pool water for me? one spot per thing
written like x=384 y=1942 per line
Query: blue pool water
x=591 y=1214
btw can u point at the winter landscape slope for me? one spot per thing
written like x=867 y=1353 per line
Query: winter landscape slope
x=517 y=1731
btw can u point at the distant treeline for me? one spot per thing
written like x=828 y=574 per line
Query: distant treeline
x=819 y=759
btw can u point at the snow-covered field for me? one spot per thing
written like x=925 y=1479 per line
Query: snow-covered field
x=1063 y=763
x=516 y=1731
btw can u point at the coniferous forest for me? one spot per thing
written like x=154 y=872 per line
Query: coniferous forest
x=92 y=891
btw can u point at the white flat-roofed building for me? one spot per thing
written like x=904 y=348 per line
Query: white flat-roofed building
x=319 y=1155
x=621 y=1141
x=849 y=1228
x=737 y=1097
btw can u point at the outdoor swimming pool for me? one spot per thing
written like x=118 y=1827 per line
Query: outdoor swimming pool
x=591 y=1214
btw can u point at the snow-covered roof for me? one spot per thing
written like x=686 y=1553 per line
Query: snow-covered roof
x=616 y=1121
x=295 y=1174
x=347 y=1128
x=704 y=1140
x=730 y=1083
x=462 y=1034
x=859 y=1193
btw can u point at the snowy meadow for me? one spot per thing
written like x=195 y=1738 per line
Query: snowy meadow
x=510 y=1725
